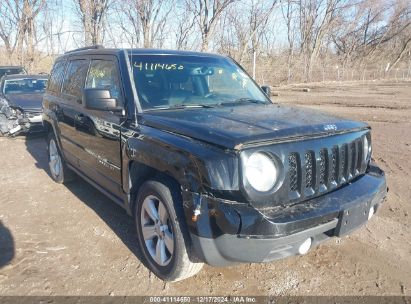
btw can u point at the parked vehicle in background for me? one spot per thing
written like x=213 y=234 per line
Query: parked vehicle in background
x=21 y=103
x=211 y=170
x=11 y=70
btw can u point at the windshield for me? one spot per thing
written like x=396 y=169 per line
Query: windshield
x=22 y=86
x=168 y=81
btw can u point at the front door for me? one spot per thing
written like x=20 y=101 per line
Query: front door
x=98 y=131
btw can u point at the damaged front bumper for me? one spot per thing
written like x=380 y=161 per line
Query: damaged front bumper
x=227 y=232
x=14 y=121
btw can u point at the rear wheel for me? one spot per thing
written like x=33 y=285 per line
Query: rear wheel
x=58 y=168
x=162 y=232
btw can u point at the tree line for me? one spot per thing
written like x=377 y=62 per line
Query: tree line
x=291 y=40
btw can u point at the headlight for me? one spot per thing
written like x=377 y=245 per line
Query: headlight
x=366 y=149
x=261 y=172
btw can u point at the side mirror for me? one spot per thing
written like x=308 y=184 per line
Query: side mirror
x=100 y=99
x=266 y=90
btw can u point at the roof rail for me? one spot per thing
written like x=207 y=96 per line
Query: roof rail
x=91 y=47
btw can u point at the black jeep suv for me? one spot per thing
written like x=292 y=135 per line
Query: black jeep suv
x=211 y=170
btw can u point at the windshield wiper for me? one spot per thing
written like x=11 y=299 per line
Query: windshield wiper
x=191 y=105
x=243 y=100
x=181 y=106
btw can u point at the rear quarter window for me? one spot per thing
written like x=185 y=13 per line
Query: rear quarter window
x=56 y=77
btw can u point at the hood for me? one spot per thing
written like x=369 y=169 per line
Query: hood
x=244 y=125
x=26 y=102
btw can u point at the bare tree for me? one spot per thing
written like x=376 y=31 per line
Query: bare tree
x=377 y=31
x=184 y=28
x=148 y=18
x=316 y=20
x=93 y=13
x=289 y=15
x=51 y=23
x=296 y=40
x=398 y=34
x=207 y=14
x=9 y=21
x=124 y=25
x=18 y=28
x=249 y=22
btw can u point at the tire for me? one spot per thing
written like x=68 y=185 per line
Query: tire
x=168 y=261
x=59 y=171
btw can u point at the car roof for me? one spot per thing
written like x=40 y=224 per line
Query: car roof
x=20 y=76
x=170 y=52
x=138 y=51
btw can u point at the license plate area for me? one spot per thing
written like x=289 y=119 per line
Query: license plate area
x=352 y=218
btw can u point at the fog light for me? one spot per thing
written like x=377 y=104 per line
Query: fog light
x=304 y=247
x=371 y=213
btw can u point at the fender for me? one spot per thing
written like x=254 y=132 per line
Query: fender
x=198 y=167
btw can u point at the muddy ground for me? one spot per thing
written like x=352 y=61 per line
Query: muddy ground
x=71 y=240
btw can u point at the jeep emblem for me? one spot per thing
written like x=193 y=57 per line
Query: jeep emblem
x=330 y=127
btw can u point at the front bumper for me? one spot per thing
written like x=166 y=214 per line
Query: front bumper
x=227 y=232
x=12 y=124
x=35 y=122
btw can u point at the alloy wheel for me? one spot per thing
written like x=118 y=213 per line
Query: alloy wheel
x=54 y=159
x=157 y=230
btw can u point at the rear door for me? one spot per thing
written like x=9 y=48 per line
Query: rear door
x=58 y=109
x=98 y=131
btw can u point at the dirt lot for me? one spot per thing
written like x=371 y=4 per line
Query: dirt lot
x=70 y=240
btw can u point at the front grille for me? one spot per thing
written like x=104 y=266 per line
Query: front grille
x=334 y=165
x=353 y=148
x=344 y=162
x=360 y=157
x=293 y=171
x=309 y=169
x=324 y=168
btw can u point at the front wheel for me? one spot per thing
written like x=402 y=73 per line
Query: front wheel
x=162 y=233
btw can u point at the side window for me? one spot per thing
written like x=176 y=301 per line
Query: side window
x=75 y=76
x=56 y=76
x=103 y=75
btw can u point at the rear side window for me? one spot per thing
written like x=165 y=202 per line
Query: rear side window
x=75 y=77
x=56 y=76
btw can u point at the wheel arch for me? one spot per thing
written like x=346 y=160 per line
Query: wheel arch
x=138 y=173
x=50 y=125
x=193 y=166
